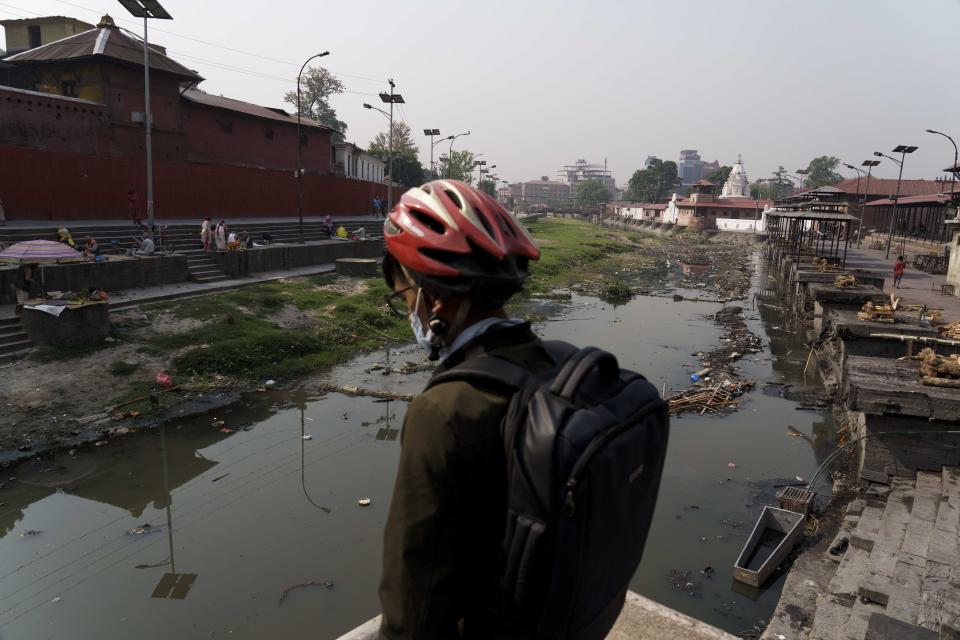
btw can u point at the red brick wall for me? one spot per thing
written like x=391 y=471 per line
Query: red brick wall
x=248 y=143
x=52 y=185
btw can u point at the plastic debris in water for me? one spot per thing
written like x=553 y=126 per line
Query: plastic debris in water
x=269 y=383
x=732 y=465
x=30 y=533
x=364 y=502
x=307 y=437
x=141 y=530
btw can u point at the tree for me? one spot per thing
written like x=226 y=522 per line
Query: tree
x=316 y=87
x=823 y=171
x=780 y=185
x=592 y=192
x=403 y=144
x=408 y=171
x=720 y=176
x=457 y=166
x=652 y=183
x=489 y=187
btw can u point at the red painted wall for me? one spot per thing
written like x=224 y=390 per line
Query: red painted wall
x=52 y=185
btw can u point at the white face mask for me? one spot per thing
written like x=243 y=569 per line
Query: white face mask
x=426 y=339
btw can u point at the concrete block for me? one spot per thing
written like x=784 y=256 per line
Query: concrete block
x=942 y=547
x=831 y=616
x=884 y=627
x=856 y=628
x=365 y=267
x=850 y=573
x=875 y=588
x=856 y=507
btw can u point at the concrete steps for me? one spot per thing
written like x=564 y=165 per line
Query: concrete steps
x=14 y=343
x=202 y=268
x=900 y=576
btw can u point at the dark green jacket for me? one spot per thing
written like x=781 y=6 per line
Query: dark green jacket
x=441 y=551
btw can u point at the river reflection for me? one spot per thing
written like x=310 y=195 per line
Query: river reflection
x=238 y=517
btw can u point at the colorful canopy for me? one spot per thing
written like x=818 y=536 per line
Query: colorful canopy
x=39 y=251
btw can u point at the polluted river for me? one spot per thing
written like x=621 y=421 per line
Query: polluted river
x=264 y=519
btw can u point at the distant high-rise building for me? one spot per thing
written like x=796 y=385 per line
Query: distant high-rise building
x=582 y=170
x=689 y=168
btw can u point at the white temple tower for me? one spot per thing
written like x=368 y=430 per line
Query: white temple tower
x=737 y=185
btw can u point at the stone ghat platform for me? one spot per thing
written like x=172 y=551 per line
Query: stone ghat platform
x=641 y=619
x=290 y=256
x=899 y=577
x=115 y=274
x=884 y=396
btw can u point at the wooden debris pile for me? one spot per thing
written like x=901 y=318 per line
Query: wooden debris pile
x=845 y=281
x=709 y=396
x=950 y=331
x=824 y=265
x=939 y=371
x=877 y=313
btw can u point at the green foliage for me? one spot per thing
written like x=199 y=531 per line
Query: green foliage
x=408 y=171
x=53 y=353
x=121 y=368
x=720 y=176
x=822 y=171
x=403 y=144
x=317 y=85
x=592 y=192
x=615 y=291
x=457 y=166
x=243 y=342
x=653 y=183
x=489 y=187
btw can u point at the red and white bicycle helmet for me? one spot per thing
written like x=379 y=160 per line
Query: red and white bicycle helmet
x=449 y=235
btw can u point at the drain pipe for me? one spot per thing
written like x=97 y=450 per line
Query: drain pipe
x=833 y=455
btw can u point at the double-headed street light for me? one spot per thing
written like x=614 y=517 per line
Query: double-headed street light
x=431 y=133
x=870 y=164
x=903 y=150
x=147 y=9
x=450 y=153
x=300 y=143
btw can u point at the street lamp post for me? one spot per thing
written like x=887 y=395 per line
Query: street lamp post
x=903 y=150
x=300 y=143
x=803 y=174
x=147 y=9
x=860 y=172
x=450 y=152
x=391 y=98
x=953 y=180
x=431 y=133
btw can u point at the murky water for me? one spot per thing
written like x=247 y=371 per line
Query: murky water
x=257 y=532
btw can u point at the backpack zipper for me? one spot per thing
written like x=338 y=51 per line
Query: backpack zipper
x=569 y=504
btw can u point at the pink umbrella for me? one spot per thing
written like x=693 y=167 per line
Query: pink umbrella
x=39 y=252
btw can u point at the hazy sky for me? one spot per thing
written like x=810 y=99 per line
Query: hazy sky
x=540 y=84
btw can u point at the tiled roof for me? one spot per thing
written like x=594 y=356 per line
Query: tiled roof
x=935 y=198
x=105 y=41
x=248 y=108
x=888 y=186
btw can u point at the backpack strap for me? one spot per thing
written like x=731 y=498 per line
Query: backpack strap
x=488 y=371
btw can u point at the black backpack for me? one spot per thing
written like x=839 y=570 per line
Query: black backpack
x=585 y=444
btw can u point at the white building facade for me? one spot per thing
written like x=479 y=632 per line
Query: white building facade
x=737 y=185
x=356 y=163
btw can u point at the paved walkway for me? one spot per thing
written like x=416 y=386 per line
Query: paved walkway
x=917 y=287
x=133 y=297
x=78 y=224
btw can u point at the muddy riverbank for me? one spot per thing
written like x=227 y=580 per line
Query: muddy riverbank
x=219 y=346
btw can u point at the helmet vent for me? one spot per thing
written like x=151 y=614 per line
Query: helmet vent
x=455 y=197
x=427 y=221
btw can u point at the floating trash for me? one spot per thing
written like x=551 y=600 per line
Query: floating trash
x=364 y=502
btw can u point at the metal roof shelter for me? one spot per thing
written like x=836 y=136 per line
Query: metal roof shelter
x=809 y=234
x=105 y=41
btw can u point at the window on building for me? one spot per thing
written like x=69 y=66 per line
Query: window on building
x=34 y=33
x=69 y=88
x=226 y=126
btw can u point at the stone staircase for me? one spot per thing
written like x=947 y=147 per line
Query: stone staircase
x=899 y=578
x=13 y=341
x=202 y=267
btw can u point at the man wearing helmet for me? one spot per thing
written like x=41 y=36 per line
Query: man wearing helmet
x=454 y=257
